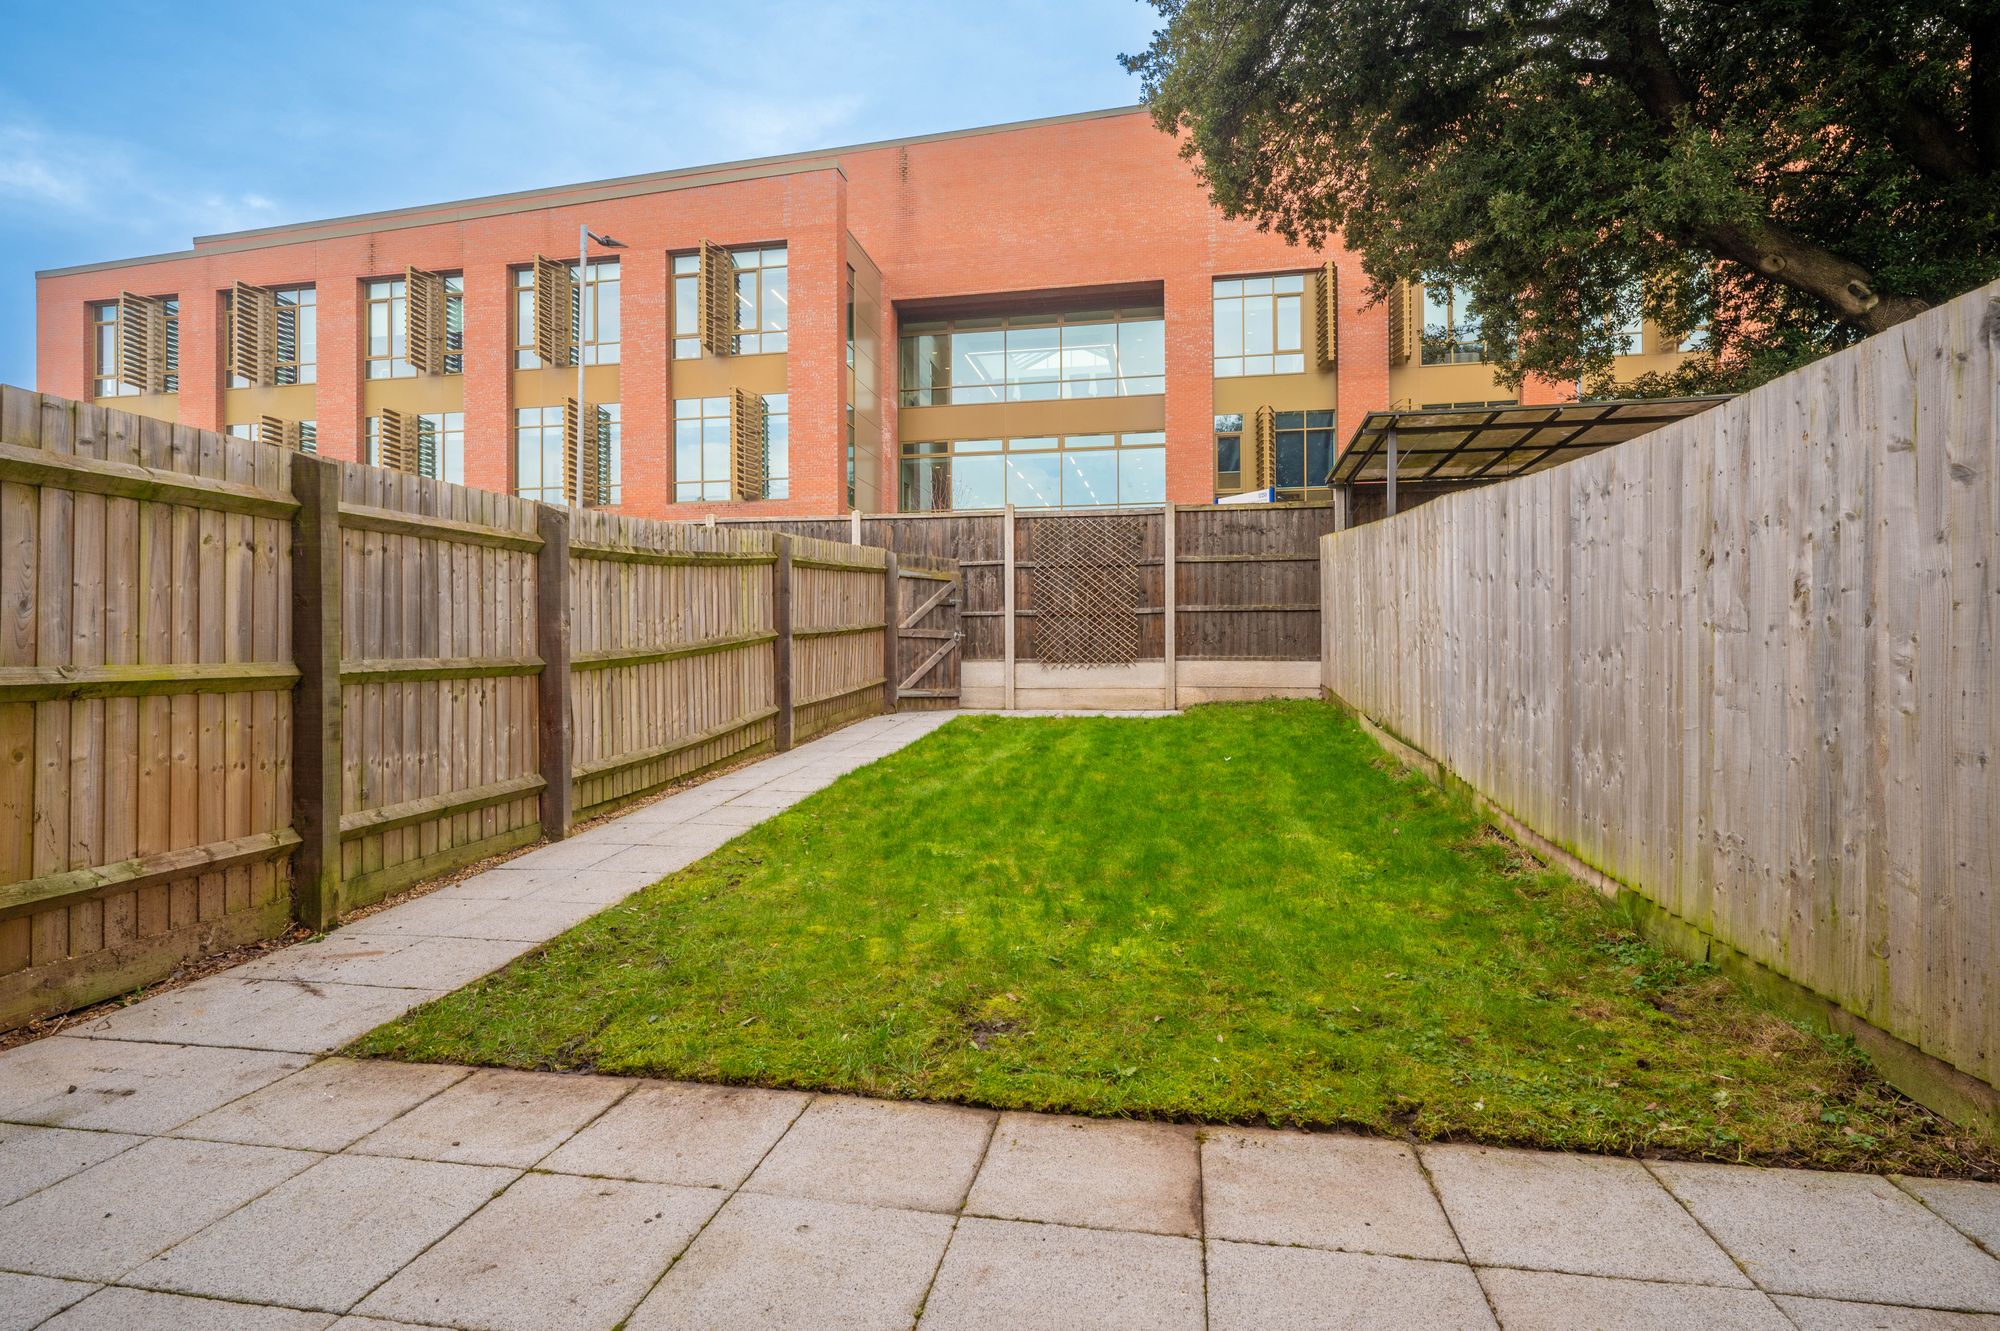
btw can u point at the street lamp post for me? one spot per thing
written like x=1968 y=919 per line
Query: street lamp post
x=583 y=239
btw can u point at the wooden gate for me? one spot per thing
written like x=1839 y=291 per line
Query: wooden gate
x=928 y=635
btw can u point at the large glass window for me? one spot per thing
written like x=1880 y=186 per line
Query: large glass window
x=1067 y=471
x=1229 y=454
x=594 y=317
x=1450 y=333
x=778 y=445
x=385 y=315
x=297 y=358
x=538 y=449
x=1033 y=358
x=1259 y=325
x=1305 y=454
x=701 y=449
x=104 y=349
x=763 y=301
x=440 y=445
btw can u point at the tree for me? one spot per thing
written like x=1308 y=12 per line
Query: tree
x=1790 y=175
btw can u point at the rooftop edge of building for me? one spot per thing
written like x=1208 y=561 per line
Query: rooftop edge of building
x=491 y=205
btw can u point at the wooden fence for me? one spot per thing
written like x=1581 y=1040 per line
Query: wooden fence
x=1743 y=666
x=1242 y=580
x=241 y=686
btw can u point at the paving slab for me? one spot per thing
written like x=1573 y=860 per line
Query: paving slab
x=1097 y=1173
x=289 y=1016
x=116 y=1309
x=101 y=1223
x=353 y=1323
x=731 y=814
x=1836 y=1236
x=524 y=919
x=878 y=1153
x=1833 y=1315
x=1253 y=1287
x=999 y=1275
x=656 y=861
x=26 y=1301
x=767 y=799
x=33 y=1157
x=1321 y=1190
x=577 y=852
x=125 y=1086
x=783 y=1262
x=496 y=1117
x=413 y=962
x=1551 y=1301
x=604 y=883
x=326 y=1107
x=672 y=1132
x=555 y=1252
x=322 y=1240
x=1973 y=1208
x=663 y=832
x=1587 y=1215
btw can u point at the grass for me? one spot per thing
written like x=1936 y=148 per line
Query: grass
x=1245 y=914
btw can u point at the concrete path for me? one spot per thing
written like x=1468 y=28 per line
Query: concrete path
x=195 y=1161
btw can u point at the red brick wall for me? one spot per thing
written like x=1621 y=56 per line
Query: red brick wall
x=1085 y=203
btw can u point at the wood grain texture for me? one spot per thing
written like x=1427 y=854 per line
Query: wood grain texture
x=1744 y=665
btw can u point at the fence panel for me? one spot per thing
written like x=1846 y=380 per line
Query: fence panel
x=1744 y=665
x=672 y=653
x=437 y=678
x=840 y=609
x=145 y=661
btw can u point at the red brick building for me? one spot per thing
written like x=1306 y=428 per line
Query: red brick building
x=1047 y=313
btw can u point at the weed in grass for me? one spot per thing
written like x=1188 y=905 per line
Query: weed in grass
x=1239 y=914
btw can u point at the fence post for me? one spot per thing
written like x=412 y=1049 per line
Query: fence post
x=781 y=646
x=1168 y=606
x=1007 y=606
x=892 y=632
x=317 y=761
x=552 y=685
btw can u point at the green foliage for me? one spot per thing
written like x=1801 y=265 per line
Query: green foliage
x=1791 y=174
x=1241 y=914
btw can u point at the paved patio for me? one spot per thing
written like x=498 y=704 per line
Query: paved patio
x=195 y=1160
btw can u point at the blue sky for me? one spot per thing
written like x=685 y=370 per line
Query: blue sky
x=115 y=141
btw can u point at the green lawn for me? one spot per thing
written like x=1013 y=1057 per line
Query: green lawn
x=1246 y=914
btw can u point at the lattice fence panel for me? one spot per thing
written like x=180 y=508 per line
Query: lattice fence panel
x=1087 y=589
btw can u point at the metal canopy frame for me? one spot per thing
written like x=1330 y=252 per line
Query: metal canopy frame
x=1473 y=445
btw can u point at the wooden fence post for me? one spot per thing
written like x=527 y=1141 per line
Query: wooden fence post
x=1168 y=603
x=892 y=632
x=781 y=646
x=1007 y=606
x=552 y=686
x=317 y=762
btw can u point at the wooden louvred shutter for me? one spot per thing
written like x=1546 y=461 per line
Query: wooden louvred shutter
x=747 y=445
x=423 y=321
x=555 y=312
x=282 y=433
x=1399 y=322
x=142 y=342
x=716 y=301
x=1327 y=283
x=253 y=333
x=398 y=442
x=1263 y=457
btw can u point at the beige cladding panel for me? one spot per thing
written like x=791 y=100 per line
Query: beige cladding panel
x=717 y=376
x=1016 y=420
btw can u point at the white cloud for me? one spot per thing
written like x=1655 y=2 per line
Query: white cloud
x=78 y=178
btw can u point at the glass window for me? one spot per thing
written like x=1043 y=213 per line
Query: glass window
x=594 y=316
x=701 y=449
x=1305 y=448
x=1101 y=353
x=1258 y=325
x=777 y=445
x=104 y=349
x=538 y=449
x=763 y=301
x=297 y=356
x=1043 y=471
x=1229 y=454
x=440 y=445
x=1629 y=338
x=1450 y=333
x=385 y=317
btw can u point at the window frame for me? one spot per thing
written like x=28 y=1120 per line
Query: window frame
x=1231 y=306
x=586 y=314
x=1139 y=448
x=940 y=390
